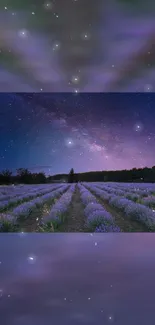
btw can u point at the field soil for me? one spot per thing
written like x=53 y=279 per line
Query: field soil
x=31 y=224
x=125 y=224
x=75 y=221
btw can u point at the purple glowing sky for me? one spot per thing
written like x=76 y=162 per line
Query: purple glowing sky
x=54 y=132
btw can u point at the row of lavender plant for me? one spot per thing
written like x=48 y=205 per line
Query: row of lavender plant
x=6 y=204
x=23 y=191
x=12 y=196
x=58 y=211
x=135 y=211
x=141 y=198
x=114 y=191
x=140 y=188
x=129 y=194
x=97 y=218
x=149 y=202
x=7 y=222
x=24 y=210
x=143 y=186
x=135 y=194
x=8 y=189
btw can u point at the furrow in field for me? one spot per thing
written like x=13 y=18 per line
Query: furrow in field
x=130 y=216
x=75 y=221
x=26 y=216
x=98 y=219
x=7 y=205
x=58 y=214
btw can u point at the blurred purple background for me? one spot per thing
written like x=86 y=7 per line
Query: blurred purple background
x=77 y=45
x=77 y=279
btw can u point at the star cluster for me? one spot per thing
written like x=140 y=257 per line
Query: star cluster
x=72 y=45
x=55 y=132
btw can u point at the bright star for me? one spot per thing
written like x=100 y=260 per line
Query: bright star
x=48 y=5
x=56 y=46
x=75 y=79
x=85 y=36
x=69 y=143
x=148 y=88
x=31 y=259
x=23 y=33
x=138 y=127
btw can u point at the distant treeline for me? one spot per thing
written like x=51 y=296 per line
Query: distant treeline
x=26 y=177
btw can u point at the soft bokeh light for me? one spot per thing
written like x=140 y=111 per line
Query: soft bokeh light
x=69 y=286
x=43 y=45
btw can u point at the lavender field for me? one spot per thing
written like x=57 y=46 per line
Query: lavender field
x=82 y=207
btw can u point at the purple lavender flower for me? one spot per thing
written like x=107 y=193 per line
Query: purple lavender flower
x=12 y=201
x=119 y=203
x=149 y=201
x=7 y=222
x=87 y=198
x=25 y=209
x=107 y=228
x=141 y=213
x=94 y=212
x=133 y=197
x=92 y=207
x=98 y=217
x=59 y=209
x=3 y=205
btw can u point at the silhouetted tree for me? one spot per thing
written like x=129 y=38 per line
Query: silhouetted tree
x=71 y=176
x=76 y=178
x=39 y=178
x=5 y=176
x=24 y=175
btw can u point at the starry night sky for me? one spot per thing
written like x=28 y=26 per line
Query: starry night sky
x=77 y=279
x=55 y=132
x=77 y=45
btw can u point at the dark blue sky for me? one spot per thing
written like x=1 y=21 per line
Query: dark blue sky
x=77 y=279
x=54 y=132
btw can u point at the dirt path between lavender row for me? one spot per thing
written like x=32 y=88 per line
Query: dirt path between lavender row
x=31 y=224
x=123 y=222
x=75 y=221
